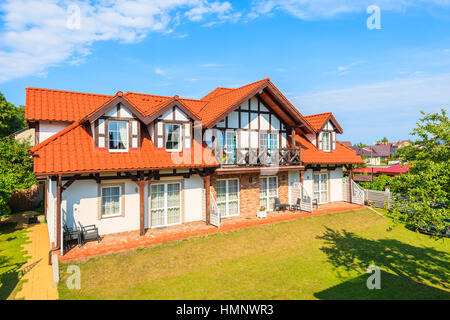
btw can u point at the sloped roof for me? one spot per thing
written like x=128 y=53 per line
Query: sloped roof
x=72 y=151
x=317 y=121
x=396 y=169
x=341 y=155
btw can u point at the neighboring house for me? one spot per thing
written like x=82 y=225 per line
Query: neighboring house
x=375 y=154
x=25 y=134
x=401 y=143
x=138 y=161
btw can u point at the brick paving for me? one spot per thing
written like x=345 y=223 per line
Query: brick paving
x=131 y=240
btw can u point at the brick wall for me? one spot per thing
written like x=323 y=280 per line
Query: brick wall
x=249 y=191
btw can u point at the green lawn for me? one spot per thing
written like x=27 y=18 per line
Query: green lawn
x=323 y=257
x=12 y=257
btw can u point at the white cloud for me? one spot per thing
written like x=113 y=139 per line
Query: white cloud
x=325 y=9
x=35 y=33
x=160 y=71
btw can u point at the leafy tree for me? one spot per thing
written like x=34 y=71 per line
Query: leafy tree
x=421 y=197
x=360 y=145
x=16 y=169
x=11 y=117
x=379 y=183
x=384 y=140
x=16 y=164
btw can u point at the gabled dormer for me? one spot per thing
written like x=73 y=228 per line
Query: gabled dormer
x=326 y=128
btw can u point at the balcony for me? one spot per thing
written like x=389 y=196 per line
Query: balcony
x=258 y=157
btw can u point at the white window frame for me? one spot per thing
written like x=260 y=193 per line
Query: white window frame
x=324 y=145
x=127 y=139
x=166 y=208
x=319 y=199
x=267 y=188
x=102 y=215
x=180 y=139
x=226 y=198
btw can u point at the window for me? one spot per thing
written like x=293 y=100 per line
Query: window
x=118 y=135
x=227 y=194
x=173 y=137
x=165 y=204
x=326 y=141
x=230 y=147
x=268 y=191
x=111 y=201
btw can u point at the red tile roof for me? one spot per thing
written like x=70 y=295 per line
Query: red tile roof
x=72 y=150
x=396 y=169
x=311 y=155
x=60 y=105
x=317 y=121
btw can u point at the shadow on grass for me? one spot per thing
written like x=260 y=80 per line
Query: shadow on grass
x=392 y=288
x=10 y=268
x=409 y=268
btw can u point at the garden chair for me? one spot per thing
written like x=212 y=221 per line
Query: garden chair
x=89 y=232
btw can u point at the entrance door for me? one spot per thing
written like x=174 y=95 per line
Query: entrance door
x=268 y=191
x=227 y=197
x=321 y=187
x=165 y=204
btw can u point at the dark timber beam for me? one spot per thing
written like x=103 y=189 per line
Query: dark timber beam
x=69 y=182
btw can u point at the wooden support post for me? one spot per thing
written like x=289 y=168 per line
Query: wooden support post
x=350 y=179
x=302 y=173
x=141 y=185
x=293 y=138
x=58 y=211
x=207 y=180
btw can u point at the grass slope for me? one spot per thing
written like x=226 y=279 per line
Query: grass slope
x=322 y=257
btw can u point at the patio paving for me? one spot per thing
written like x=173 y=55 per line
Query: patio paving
x=132 y=240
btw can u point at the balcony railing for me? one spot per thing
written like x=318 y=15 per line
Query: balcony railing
x=258 y=156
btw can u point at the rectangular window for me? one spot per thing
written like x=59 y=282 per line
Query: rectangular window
x=118 y=135
x=173 y=137
x=111 y=201
x=230 y=147
x=165 y=204
x=268 y=192
x=326 y=143
x=227 y=197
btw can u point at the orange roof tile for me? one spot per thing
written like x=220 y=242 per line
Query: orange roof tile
x=311 y=155
x=60 y=105
x=72 y=151
x=317 y=120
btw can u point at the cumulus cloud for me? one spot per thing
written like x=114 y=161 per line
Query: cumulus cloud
x=38 y=34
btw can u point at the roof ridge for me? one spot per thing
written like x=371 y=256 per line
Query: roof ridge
x=317 y=114
x=56 y=136
x=146 y=94
x=68 y=91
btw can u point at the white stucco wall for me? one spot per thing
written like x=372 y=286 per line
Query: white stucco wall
x=80 y=204
x=51 y=210
x=49 y=128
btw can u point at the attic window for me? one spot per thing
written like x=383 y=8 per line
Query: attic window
x=326 y=141
x=118 y=136
x=173 y=137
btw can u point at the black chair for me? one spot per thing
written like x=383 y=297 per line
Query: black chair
x=297 y=205
x=280 y=206
x=314 y=203
x=70 y=235
x=89 y=232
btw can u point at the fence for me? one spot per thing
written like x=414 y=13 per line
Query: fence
x=26 y=198
x=378 y=198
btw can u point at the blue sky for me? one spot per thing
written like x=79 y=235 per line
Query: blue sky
x=320 y=53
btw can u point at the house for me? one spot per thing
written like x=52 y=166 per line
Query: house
x=133 y=161
x=375 y=154
x=394 y=170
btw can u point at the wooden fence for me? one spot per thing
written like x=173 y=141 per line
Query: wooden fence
x=24 y=199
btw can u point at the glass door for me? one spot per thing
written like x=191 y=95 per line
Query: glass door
x=268 y=192
x=227 y=197
x=165 y=204
x=269 y=141
x=230 y=147
x=321 y=187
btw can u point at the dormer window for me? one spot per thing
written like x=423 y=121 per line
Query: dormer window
x=118 y=136
x=326 y=141
x=173 y=137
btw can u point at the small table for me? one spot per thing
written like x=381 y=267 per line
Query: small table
x=284 y=206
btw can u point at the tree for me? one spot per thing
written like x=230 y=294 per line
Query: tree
x=11 y=117
x=379 y=183
x=16 y=164
x=421 y=197
x=360 y=145
x=16 y=170
x=384 y=140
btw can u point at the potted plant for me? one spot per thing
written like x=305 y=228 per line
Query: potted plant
x=262 y=212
